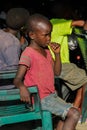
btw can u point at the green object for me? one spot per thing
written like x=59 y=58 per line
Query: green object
x=84 y=107
x=12 y=110
x=61 y=28
x=82 y=41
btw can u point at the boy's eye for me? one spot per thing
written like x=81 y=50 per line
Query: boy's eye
x=48 y=34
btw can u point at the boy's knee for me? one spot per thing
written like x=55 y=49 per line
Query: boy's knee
x=74 y=113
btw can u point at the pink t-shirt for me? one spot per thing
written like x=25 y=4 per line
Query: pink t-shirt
x=40 y=72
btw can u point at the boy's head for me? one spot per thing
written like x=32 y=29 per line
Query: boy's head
x=35 y=21
x=39 y=29
x=16 y=18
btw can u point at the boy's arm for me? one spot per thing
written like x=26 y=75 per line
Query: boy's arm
x=57 y=62
x=18 y=82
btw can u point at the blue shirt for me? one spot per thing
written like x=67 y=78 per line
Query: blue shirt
x=9 y=51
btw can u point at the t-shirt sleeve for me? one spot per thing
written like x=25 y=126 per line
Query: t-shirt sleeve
x=25 y=59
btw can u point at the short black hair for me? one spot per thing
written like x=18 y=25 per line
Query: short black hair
x=34 y=19
x=16 y=18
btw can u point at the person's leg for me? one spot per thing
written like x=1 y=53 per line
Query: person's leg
x=60 y=125
x=75 y=78
x=70 y=121
x=77 y=101
x=66 y=111
x=79 y=98
x=83 y=92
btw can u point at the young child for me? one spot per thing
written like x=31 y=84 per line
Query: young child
x=10 y=47
x=36 y=67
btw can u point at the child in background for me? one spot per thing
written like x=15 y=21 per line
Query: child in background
x=10 y=47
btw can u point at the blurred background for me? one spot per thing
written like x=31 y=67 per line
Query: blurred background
x=74 y=9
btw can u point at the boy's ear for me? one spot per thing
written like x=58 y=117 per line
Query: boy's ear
x=32 y=35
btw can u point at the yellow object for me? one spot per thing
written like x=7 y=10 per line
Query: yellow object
x=61 y=28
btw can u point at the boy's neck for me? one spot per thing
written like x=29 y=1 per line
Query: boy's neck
x=41 y=50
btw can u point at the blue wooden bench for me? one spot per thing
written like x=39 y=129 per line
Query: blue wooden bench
x=84 y=107
x=12 y=110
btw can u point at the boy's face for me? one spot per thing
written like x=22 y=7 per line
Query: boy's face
x=42 y=34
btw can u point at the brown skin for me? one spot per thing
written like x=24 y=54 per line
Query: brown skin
x=79 y=98
x=85 y=25
x=79 y=23
x=40 y=38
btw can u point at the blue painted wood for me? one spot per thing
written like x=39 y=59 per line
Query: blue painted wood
x=7 y=74
x=12 y=110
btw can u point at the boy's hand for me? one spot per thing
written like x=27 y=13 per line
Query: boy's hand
x=55 y=47
x=25 y=94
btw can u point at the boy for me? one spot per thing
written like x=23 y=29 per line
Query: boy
x=36 y=67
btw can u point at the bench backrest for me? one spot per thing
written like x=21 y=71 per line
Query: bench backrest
x=12 y=110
